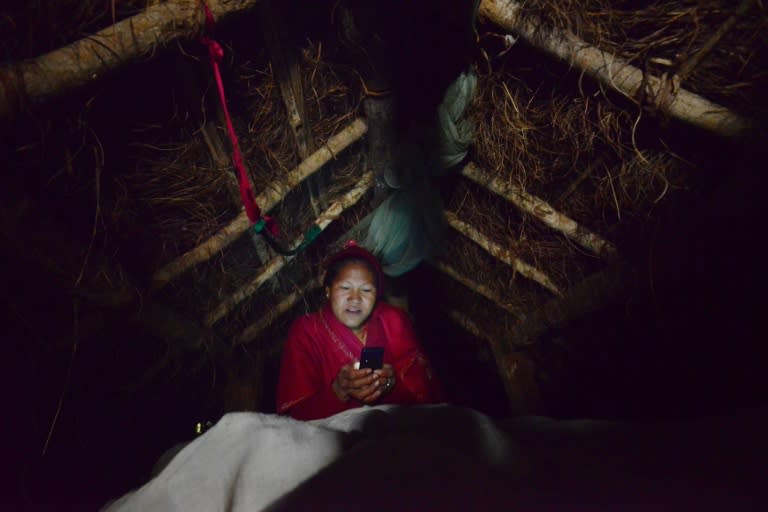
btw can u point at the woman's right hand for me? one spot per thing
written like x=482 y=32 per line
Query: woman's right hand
x=362 y=385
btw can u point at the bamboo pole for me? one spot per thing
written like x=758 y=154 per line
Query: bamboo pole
x=223 y=165
x=87 y=60
x=519 y=386
x=613 y=71
x=267 y=199
x=501 y=253
x=688 y=66
x=541 y=210
x=286 y=68
x=499 y=351
x=480 y=289
x=278 y=262
x=252 y=331
x=592 y=294
x=472 y=328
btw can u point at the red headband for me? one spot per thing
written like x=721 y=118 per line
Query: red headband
x=352 y=250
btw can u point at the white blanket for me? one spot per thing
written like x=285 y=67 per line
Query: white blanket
x=447 y=458
x=248 y=460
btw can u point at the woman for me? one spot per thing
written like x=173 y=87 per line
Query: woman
x=318 y=376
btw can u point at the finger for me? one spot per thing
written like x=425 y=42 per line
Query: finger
x=363 y=382
x=349 y=374
x=353 y=385
x=385 y=372
x=372 y=397
x=356 y=374
x=367 y=394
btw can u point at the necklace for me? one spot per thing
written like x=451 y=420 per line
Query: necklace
x=363 y=336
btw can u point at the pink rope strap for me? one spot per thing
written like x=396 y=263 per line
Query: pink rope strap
x=216 y=54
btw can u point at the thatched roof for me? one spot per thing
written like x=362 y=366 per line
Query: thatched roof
x=606 y=221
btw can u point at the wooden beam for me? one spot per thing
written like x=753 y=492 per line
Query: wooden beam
x=87 y=60
x=542 y=210
x=613 y=71
x=278 y=262
x=689 y=65
x=267 y=199
x=286 y=70
x=220 y=158
x=223 y=163
x=514 y=368
x=593 y=293
x=501 y=253
x=252 y=331
x=480 y=289
x=470 y=326
x=379 y=113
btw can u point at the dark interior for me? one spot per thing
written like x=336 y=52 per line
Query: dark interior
x=95 y=389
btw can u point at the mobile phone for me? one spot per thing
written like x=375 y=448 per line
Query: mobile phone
x=372 y=357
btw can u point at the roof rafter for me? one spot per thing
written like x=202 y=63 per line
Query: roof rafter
x=512 y=366
x=614 y=71
x=252 y=332
x=476 y=287
x=267 y=199
x=278 y=262
x=591 y=294
x=86 y=60
x=502 y=254
x=541 y=210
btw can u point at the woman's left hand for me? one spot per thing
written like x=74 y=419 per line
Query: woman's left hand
x=387 y=379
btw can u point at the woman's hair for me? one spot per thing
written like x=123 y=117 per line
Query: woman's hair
x=353 y=253
x=335 y=268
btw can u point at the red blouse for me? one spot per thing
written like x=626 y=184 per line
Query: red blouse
x=318 y=345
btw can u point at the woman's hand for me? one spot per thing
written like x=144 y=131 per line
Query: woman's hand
x=386 y=378
x=364 y=385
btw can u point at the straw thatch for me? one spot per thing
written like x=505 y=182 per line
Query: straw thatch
x=119 y=198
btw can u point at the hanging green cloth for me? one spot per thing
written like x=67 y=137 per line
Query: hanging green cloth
x=408 y=226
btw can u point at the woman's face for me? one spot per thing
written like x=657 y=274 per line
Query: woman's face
x=353 y=295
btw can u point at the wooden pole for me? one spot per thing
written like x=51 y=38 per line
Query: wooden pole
x=613 y=71
x=592 y=294
x=278 y=262
x=87 y=60
x=501 y=253
x=267 y=199
x=379 y=112
x=286 y=70
x=477 y=288
x=689 y=65
x=252 y=331
x=223 y=163
x=514 y=368
x=541 y=210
